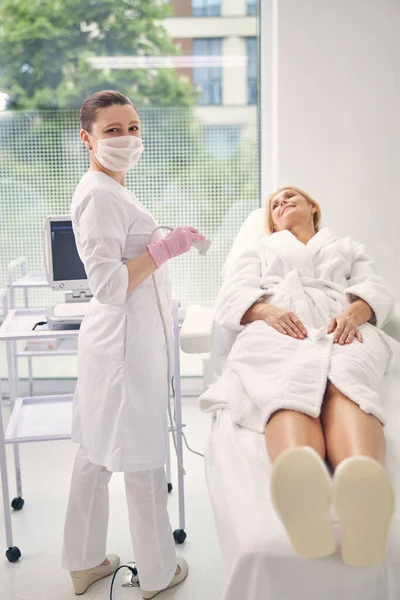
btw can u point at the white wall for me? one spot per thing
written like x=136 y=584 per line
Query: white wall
x=338 y=117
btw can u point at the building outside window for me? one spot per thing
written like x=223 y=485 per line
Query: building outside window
x=208 y=79
x=206 y=8
x=252 y=78
x=252 y=7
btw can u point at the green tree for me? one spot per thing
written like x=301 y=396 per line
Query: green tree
x=45 y=46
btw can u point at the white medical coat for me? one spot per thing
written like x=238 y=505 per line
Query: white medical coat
x=267 y=371
x=120 y=403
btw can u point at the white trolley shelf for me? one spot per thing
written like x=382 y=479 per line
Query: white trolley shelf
x=48 y=418
x=33 y=419
x=19 y=324
x=20 y=278
x=40 y=419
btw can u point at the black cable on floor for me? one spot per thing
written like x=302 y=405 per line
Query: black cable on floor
x=132 y=570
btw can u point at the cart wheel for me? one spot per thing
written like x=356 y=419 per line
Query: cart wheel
x=13 y=554
x=170 y=488
x=17 y=503
x=179 y=536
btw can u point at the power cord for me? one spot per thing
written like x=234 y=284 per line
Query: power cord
x=189 y=448
x=172 y=417
x=39 y=324
x=159 y=303
x=183 y=433
x=134 y=572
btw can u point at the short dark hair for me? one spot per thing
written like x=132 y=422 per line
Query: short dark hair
x=103 y=99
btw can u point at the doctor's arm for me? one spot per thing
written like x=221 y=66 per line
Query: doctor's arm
x=139 y=269
x=177 y=242
x=103 y=225
x=103 y=228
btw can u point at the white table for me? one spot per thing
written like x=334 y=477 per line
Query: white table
x=48 y=418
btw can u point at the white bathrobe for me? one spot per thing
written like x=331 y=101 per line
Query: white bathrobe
x=267 y=371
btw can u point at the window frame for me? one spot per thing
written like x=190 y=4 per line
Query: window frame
x=214 y=74
x=252 y=70
x=206 y=8
x=252 y=8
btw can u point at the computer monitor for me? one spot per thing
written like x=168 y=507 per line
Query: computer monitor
x=64 y=268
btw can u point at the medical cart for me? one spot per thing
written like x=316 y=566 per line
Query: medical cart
x=48 y=418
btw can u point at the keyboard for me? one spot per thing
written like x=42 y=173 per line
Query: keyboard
x=71 y=309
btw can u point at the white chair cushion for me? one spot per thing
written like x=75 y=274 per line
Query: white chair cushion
x=196 y=330
x=252 y=229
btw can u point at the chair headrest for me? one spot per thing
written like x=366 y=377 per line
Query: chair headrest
x=252 y=229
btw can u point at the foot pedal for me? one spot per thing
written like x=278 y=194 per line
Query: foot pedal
x=130 y=580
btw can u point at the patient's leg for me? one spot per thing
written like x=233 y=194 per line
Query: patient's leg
x=289 y=429
x=363 y=496
x=348 y=430
x=300 y=482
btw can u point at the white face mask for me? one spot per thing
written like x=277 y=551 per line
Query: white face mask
x=119 y=153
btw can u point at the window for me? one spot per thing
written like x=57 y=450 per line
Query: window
x=252 y=6
x=201 y=164
x=252 y=88
x=222 y=141
x=206 y=8
x=208 y=79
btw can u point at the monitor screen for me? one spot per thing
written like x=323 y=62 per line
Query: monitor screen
x=67 y=266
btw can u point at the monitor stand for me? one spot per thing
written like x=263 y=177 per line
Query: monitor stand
x=69 y=314
x=78 y=296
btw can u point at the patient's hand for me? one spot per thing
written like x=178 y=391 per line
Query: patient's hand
x=346 y=325
x=345 y=328
x=284 y=321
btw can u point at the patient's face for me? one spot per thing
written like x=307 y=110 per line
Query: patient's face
x=290 y=209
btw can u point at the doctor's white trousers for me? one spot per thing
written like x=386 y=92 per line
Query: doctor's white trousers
x=85 y=536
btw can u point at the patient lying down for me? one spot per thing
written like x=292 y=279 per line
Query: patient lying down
x=305 y=371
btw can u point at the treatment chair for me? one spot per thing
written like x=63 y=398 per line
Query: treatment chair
x=258 y=557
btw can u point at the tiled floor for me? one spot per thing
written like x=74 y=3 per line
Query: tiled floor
x=38 y=527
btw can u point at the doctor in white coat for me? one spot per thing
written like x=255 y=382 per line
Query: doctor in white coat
x=120 y=404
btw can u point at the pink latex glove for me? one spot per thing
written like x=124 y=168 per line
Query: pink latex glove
x=177 y=242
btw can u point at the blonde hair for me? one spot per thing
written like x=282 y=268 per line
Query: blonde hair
x=269 y=222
